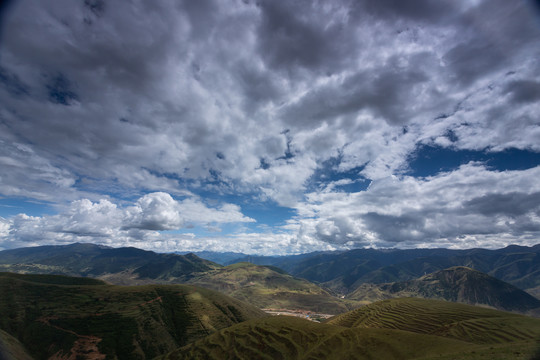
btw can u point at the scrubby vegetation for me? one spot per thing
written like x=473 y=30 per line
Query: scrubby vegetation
x=393 y=329
x=58 y=316
x=270 y=287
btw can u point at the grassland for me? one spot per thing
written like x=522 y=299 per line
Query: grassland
x=392 y=329
x=269 y=287
x=459 y=321
x=61 y=316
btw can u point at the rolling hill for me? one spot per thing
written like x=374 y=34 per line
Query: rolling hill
x=393 y=329
x=262 y=286
x=269 y=287
x=59 y=316
x=457 y=284
x=435 y=317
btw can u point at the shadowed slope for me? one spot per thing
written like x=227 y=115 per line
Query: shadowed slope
x=52 y=318
x=458 y=284
x=11 y=348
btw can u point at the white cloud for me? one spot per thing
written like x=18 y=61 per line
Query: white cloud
x=467 y=207
x=115 y=101
x=106 y=223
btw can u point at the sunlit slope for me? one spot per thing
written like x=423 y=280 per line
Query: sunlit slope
x=458 y=321
x=61 y=316
x=269 y=287
x=293 y=338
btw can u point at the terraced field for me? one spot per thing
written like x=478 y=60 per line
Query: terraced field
x=458 y=321
x=293 y=338
x=393 y=329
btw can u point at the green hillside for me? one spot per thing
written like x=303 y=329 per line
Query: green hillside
x=55 y=316
x=394 y=329
x=452 y=320
x=458 y=284
x=292 y=338
x=268 y=287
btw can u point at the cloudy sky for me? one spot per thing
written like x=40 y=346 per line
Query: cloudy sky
x=270 y=127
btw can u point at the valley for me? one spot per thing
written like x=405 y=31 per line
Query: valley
x=94 y=302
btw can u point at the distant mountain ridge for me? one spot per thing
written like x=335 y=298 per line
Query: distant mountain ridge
x=262 y=286
x=102 y=261
x=344 y=271
x=456 y=284
x=340 y=273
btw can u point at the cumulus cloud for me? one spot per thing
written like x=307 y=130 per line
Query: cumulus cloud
x=108 y=223
x=252 y=98
x=468 y=207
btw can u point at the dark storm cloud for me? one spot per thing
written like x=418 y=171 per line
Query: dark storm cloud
x=60 y=91
x=392 y=228
x=523 y=91
x=423 y=10
x=510 y=204
x=296 y=34
x=12 y=84
x=96 y=6
x=474 y=59
x=202 y=17
x=387 y=91
x=494 y=35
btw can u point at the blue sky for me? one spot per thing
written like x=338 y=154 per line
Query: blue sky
x=270 y=127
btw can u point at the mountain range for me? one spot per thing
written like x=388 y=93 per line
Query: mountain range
x=344 y=271
x=457 y=284
x=329 y=283
x=263 y=286
x=216 y=311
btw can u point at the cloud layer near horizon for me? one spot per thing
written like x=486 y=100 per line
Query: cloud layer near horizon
x=139 y=119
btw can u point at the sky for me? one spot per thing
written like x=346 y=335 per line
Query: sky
x=270 y=126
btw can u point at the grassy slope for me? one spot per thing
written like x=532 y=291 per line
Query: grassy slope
x=50 y=318
x=392 y=329
x=268 y=287
x=293 y=338
x=459 y=321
